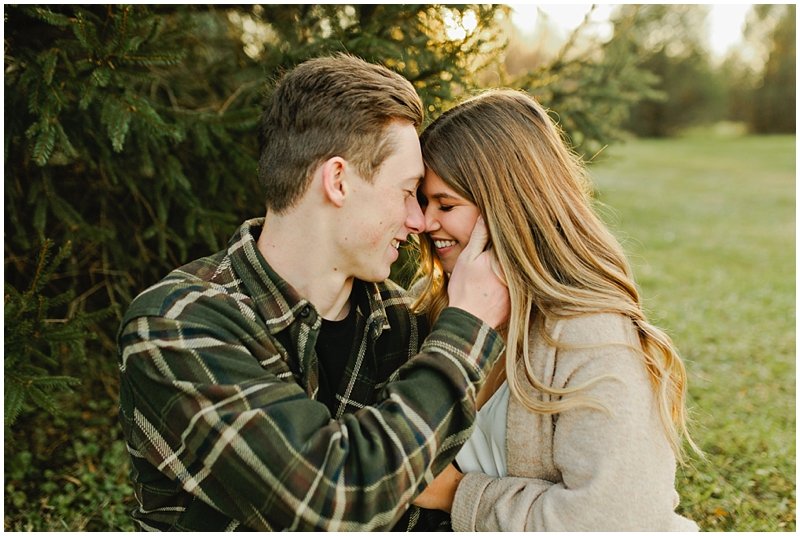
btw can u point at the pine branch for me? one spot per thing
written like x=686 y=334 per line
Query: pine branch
x=34 y=340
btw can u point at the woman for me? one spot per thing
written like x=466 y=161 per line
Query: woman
x=580 y=426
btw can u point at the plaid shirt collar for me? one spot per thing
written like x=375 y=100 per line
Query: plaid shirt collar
x=277 y=301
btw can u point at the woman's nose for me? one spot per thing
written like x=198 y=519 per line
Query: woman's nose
x=431 y=222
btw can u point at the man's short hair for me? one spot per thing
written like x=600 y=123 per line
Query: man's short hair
x=332 y=106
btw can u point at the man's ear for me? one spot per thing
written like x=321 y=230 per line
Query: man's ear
x=334 y=182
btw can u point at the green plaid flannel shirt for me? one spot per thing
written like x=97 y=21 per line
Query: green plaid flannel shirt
x=218 y=380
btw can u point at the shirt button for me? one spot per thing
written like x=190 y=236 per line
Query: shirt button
x=305 y=311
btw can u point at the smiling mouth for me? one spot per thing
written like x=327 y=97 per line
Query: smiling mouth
x=441 y=244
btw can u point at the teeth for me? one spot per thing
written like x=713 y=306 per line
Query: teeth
x=444 y=243
x=395 y=244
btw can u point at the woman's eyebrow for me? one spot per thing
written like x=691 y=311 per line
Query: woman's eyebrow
x=443 y=195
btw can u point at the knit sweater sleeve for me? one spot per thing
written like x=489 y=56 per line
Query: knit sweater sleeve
x=615 y=469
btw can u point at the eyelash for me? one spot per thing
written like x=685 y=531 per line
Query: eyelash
x=423 y=202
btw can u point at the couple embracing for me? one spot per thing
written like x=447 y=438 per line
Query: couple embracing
x=285 y=383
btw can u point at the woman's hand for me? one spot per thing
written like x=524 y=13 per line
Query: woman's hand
x=477 y=284
x=441 y=491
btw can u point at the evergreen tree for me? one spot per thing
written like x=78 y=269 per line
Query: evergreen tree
x=589 y=84
x=440 y=49
x=739 y=80
x=113 y=141
x=668 y=41
x=34 y=341
x=775 y=97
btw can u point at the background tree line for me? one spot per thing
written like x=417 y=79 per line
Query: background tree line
x=131 y=148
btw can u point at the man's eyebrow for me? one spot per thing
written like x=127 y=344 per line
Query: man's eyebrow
x=417 y=180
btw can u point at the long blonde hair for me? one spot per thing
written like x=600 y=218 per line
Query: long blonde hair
x=502 y=152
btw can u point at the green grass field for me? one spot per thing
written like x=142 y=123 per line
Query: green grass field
x=709 y=225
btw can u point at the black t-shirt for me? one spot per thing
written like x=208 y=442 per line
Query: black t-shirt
x=334 y=346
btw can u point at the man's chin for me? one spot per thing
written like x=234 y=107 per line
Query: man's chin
x=376 y=276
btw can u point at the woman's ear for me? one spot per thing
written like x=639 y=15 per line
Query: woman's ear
x=334 y=183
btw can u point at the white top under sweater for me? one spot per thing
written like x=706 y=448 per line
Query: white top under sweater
x=485 y=450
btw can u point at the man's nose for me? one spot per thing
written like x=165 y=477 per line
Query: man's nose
x=415 y=219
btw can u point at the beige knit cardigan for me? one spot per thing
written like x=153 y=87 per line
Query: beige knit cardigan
x=582 y=469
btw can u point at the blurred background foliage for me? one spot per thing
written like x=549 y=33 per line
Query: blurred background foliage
x=130 y=148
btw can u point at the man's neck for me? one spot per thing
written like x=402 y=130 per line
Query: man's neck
x=306 y=263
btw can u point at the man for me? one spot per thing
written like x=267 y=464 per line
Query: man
x=280 y=384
